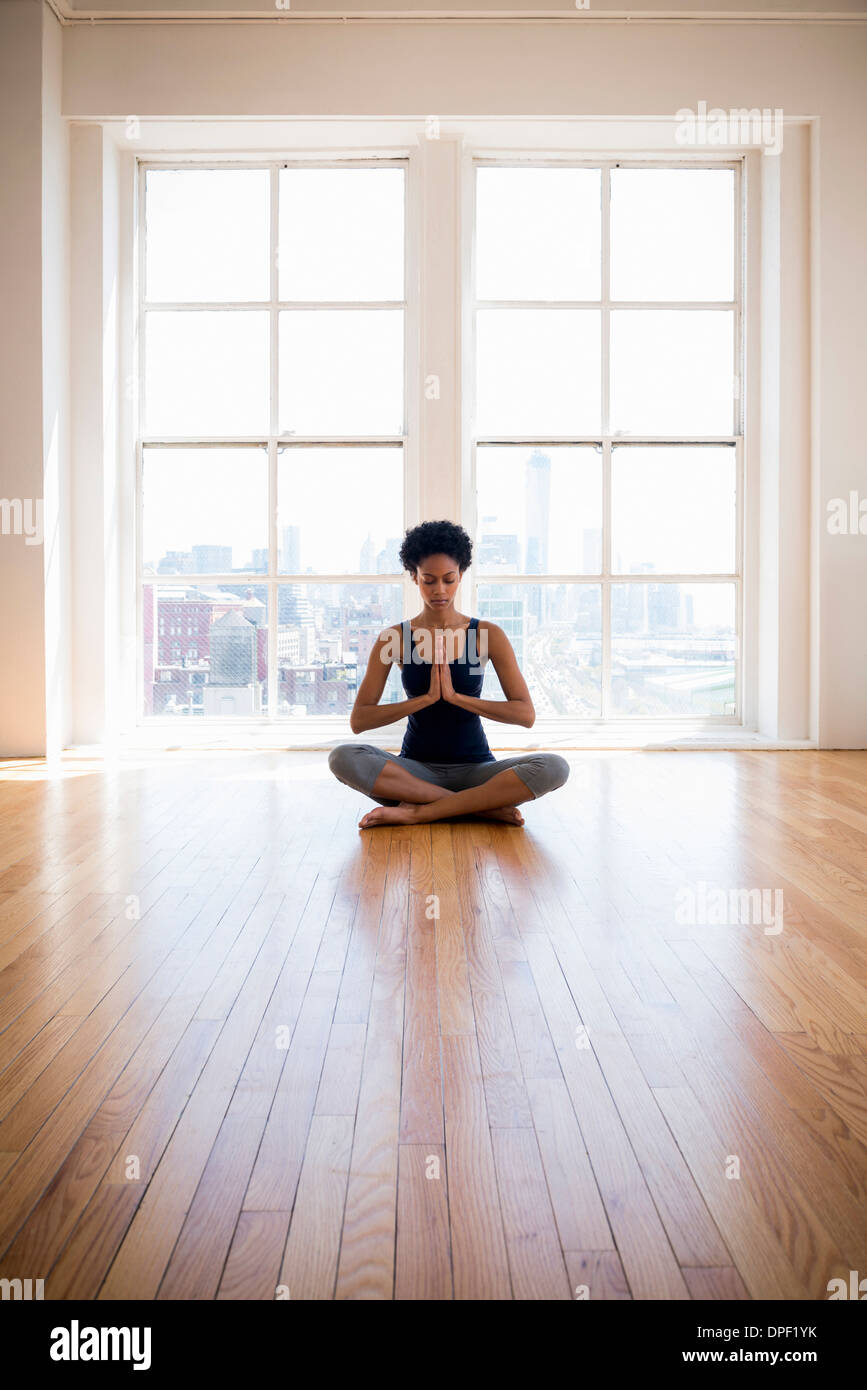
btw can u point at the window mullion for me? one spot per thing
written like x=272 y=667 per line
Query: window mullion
x=605 y=594
x=274 y=427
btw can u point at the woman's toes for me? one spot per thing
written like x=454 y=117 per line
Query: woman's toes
x=510 y=815
x=405 y=813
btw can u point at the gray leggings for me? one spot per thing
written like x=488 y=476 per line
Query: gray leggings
x=358 y=765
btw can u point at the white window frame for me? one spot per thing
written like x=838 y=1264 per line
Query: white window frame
x=274 y=441
x=438 y=313
x=477 y=158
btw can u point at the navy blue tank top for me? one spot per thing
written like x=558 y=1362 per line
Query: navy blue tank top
x=444 y=733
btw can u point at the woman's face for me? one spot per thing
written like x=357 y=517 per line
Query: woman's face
x=438 y=578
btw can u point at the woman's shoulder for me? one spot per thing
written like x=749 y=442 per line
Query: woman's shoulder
x=493 y=630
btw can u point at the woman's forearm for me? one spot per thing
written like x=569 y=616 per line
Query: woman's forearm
x=505 y=711
x=366 y=717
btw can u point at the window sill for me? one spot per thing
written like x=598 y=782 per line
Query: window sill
x=324 y=734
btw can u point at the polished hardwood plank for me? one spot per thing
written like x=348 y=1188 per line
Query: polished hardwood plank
x=249 y=1052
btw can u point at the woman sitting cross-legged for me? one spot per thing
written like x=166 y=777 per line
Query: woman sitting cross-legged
x=445 y=767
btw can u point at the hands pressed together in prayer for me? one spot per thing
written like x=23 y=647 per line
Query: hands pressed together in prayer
x=441 y=687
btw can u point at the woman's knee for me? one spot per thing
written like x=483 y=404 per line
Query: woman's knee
x=347 y=760
x=542 y=772
x=546 y=772
x=557 y=769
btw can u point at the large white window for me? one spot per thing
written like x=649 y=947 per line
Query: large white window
x=607 y=433
x=602 y=401
x=272 y=433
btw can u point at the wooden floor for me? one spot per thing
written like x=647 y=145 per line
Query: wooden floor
x=245 y=1047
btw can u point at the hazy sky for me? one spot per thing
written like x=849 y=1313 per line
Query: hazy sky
x=538 y=237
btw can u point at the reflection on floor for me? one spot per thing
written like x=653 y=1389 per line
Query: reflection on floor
x=246 y=1048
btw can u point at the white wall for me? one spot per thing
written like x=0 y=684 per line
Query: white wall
x=641 y=70
x=34 y=399
x=55 y=399
x=86 y=422
x=22 y=596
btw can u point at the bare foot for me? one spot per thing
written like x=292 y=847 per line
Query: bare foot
x=510 y=814
x=403 y=814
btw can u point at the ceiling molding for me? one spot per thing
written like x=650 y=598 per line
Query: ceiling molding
x=69 y=16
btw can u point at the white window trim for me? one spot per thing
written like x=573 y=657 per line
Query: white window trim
x=477 y=158
x=104 y=176
x=407 y=441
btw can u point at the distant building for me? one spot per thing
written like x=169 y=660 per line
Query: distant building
x=318 y=689
x=506 y=605
x=176 y=562
x=212 y=559
x=233 y=651
x=663 y=607
x=537 y=494
x=290 y=550
x=182 y=658
x=367 y=558
x=591 y=546
x=500 y=552
x=296 y=645
x=295 y=613
x=388 y=559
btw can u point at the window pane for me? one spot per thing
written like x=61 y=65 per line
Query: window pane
x=539 y=510
x=556 y=633
x=205 y=511
x=206 y=235
x=341 y=510
x=206 y=373
x=673 y=510
x=341 y=234
x=673 y=649
x=205 y=650
x=538 y=233
x=538 y=371
x=671 y=371
x=324 y=638
x=672 y=234
x=341 y=371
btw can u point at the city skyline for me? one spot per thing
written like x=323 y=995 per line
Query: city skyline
x=555 y=629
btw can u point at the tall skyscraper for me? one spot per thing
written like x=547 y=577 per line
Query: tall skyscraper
x=537 y=493
x=367 y=559
x=592 y=550
x=388 y=559
x=290 y=550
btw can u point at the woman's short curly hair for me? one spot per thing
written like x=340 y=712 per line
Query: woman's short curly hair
x=436 y=538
